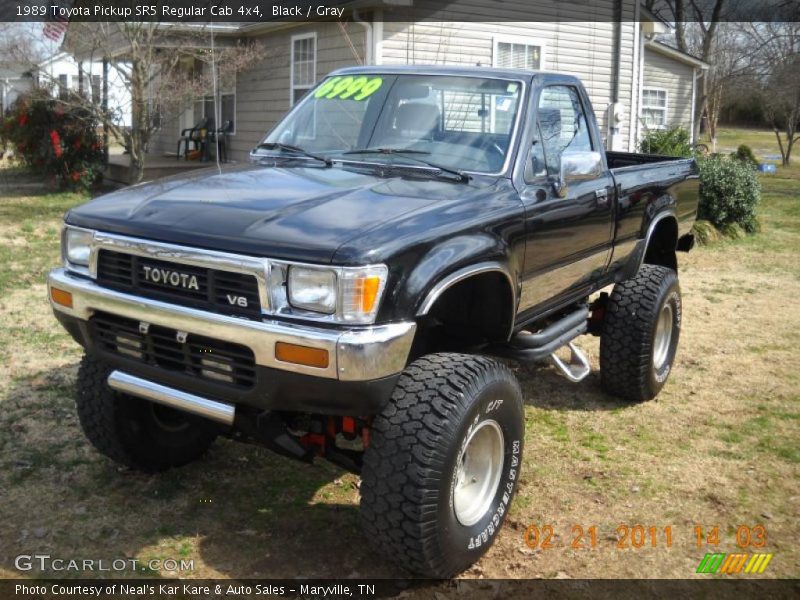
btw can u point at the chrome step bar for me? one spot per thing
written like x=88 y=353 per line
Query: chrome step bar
x=197 y=405
x=578 y=368
x=541 y=347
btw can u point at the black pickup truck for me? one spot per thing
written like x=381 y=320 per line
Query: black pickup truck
x=349 y=292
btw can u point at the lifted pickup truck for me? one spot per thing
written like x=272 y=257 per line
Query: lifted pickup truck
x=346 y=294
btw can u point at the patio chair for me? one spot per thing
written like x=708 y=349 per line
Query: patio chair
x=191 y=135
x=220 y=137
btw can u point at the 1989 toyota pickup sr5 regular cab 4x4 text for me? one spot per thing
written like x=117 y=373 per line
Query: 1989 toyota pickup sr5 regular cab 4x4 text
x=346 y=294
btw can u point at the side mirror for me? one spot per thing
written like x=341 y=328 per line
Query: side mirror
x=578 y=165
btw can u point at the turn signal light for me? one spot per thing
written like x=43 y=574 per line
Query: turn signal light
x=301 y=355
x=61 y=297
x=366 y=289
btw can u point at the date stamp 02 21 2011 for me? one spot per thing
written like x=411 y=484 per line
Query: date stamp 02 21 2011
x=626 y=537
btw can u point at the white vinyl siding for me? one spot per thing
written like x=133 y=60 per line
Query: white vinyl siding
x=654 y=108
x=672 y=78
x=303 y=65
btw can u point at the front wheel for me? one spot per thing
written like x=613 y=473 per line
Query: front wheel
x=133 y=432
x=640 y=334
x=443 y=463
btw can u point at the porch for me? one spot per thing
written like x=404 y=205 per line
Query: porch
x=155 y=167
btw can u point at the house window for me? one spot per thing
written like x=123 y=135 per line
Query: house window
x=518 y=53
x=654 y=108
x=63 y=85
x=97 y=89
x=227 y=110
x=303 y=65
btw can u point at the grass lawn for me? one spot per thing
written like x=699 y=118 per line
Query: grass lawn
x=761 y=141
x=720 y=447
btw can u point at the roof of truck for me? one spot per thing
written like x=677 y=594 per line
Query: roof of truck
x=441 y=70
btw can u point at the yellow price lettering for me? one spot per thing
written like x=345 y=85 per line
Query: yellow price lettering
x=349 y=87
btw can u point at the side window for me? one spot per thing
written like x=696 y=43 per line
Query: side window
x=562 y=125
x=536 y=166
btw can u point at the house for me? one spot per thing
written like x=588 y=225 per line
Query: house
x=62 y=73
x=634 y=82
x=669 y=88
x=13 y=84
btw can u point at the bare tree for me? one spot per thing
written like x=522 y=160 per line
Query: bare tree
x=700 y=30
x=782 y=106
x=17 y=47
x=164 y=68
x=775 y=61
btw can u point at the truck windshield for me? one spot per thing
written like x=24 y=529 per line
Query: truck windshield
x=463 y=123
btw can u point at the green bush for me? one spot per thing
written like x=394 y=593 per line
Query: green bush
x=667 y=142
x=745 y=154
x=729 y=193
x=55 y=139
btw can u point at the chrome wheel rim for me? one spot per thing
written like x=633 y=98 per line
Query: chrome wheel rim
x=478 y=471
x=663 y=337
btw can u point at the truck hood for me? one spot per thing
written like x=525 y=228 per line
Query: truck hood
x=300 y=213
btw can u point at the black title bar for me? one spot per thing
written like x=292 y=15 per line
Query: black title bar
x=254 y=11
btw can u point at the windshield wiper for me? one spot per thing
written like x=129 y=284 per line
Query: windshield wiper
x=296 y=149
x=385 y=151
x=462 y=176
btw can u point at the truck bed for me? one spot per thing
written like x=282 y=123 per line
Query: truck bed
x=620 y=160
x=652 y=177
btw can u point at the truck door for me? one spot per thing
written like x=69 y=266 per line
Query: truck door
x=569 y=225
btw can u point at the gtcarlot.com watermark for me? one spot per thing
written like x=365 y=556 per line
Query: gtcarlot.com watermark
x=46 y=562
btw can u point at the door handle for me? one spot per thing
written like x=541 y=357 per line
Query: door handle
x=601 y=198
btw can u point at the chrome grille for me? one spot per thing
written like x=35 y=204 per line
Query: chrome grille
x=222 y=292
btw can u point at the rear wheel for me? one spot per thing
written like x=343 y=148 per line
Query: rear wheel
x=134 y=432
x=640 y=334
x=443 y=463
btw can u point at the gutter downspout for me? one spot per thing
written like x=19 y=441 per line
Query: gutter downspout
x=368 y=37
x=696 y=74
x=617 y=68
x=614 y=115
x=638 y=77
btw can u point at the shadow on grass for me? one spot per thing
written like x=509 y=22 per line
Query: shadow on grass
x=545 y=388
x=238 y=512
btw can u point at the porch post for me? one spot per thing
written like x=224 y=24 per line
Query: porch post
x=105 y=110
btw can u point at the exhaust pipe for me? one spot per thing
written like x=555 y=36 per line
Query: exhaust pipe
x=161 y=394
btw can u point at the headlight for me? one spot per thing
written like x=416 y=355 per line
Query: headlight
x=350 y=294
x=312 y=289
x=77 y=246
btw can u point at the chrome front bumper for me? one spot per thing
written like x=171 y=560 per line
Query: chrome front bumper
x=355 y=354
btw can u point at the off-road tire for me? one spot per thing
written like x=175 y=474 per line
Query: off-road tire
x=410 y=467
x=133 y=432
x=628 y=339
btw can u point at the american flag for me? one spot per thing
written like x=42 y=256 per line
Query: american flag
x=56 y=24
